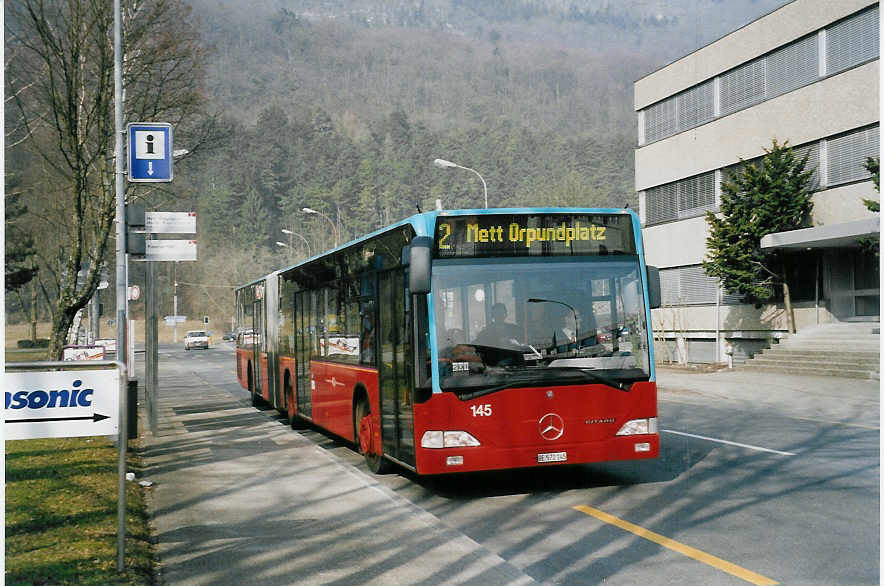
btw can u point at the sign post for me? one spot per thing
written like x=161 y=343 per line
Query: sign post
x=122 y=274
x=156 y=250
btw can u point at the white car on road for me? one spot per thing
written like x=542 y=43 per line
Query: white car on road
x=196 y=339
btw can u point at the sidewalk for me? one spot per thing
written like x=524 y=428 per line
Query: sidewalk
x=839 y=400
x=240 y=498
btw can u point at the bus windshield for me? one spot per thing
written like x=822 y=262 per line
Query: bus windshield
x=523 y=322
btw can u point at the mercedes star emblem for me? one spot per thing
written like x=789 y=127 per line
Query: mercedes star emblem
x=551 y=427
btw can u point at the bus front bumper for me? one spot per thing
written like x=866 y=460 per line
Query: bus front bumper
x=481 y=458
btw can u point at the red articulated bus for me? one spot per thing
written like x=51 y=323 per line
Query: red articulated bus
x=459 y=341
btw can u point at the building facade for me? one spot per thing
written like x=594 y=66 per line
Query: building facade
x=807 y=73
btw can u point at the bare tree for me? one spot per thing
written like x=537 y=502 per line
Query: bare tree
x=60 y=77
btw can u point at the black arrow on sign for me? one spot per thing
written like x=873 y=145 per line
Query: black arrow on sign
x=94 y=418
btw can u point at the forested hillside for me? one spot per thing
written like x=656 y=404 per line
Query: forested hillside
x=342 y=106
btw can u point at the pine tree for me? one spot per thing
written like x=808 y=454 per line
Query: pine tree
x=873 y=166
x=761 y=198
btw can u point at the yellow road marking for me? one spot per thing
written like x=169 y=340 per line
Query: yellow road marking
x=681 y=548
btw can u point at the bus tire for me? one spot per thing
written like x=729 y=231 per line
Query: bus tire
x=295 y=420
x=362 y=422
x=256 y=401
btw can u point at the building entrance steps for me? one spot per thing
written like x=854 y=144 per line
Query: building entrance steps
x=850 y=350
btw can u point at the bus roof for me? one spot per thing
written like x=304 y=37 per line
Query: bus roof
x=424 y=223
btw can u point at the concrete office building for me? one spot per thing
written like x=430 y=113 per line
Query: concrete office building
x=807 y=73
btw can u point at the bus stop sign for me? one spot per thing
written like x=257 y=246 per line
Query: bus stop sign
x=150 y=152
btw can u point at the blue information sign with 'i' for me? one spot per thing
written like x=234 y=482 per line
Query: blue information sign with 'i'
x=150 y=151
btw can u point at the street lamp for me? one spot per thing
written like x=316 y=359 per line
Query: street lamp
x=293 y=233
x=334 y=227
x=443 y=164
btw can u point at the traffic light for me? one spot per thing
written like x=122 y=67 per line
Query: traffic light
x=206 y=319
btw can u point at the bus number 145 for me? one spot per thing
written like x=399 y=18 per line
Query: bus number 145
x=481 y=410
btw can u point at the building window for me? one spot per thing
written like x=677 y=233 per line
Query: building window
x=742 y=87
x=662 y=203
x=660 y=120
x=690 y=285
x=847 y=153
x=696 y=195
x=696 y=106
x=686 y=198
x=852 y=41
x=812 y=151
x=793 y=66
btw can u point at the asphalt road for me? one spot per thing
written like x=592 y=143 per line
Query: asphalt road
x=745 y=490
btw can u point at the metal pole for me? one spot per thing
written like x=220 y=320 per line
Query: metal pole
x=175 y=305
x=122 y=283
x=482 y=179
x=816 y=287
x=718 y=325
x=151 y=356
x=92 y=334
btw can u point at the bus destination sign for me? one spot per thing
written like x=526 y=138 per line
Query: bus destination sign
x=534 y=235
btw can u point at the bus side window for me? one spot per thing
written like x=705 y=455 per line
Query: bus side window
x=366 y=335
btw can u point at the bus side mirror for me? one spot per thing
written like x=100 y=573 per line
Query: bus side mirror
x=420 y=265
x=655 y=296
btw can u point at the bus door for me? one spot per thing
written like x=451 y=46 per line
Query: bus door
x=395 y=368
x=259 y=340
x=303 y=346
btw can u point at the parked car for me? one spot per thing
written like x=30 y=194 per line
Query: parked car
x=229 y=337
x=196 y=339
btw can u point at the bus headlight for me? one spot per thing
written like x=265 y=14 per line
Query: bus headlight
x=448 y=439
x=639 y=427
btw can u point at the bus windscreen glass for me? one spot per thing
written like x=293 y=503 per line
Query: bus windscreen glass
x=514 y=235
x=525 y=321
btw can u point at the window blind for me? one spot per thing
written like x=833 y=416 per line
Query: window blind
x=792 y=66
x=742 y=87
x=690 y=285
x=846 y=155
x=852 y=41
x=696 y=106
x=660 y=120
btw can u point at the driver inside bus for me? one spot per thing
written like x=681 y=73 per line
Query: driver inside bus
x=564 y=335
x=499 y=332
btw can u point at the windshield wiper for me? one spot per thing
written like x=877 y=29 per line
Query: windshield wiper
x=512 y=384
x=589 y=373
x=530 y=382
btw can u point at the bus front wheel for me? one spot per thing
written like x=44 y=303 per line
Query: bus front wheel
x=364 y=437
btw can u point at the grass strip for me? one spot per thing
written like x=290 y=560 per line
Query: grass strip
x=61 y=514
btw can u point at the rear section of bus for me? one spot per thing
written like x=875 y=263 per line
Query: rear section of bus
x=257 y=339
